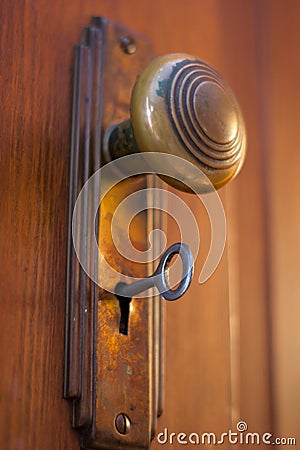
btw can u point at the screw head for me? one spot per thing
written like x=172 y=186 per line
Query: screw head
x=128 y=45
x=122 y=423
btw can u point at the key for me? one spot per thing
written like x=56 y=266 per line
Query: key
x=159 y=279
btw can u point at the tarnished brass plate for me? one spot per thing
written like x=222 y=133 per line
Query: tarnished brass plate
x=109 y=375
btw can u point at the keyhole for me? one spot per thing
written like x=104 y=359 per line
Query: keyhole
x=124 y=319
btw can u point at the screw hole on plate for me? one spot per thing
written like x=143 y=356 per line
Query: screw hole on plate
x=122 y=423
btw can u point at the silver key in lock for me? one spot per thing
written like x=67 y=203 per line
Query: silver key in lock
x=159 y=279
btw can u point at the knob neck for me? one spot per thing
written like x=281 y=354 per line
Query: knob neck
x=120 y=141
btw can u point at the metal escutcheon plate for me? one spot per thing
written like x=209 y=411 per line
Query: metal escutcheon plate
x=114 y=380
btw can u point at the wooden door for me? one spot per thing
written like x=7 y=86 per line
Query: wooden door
x=232 y=343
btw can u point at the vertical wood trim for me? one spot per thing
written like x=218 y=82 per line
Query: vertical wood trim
x=234 y=304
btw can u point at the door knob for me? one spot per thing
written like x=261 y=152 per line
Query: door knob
x=182 y=106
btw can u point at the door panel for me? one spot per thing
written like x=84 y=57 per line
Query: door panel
x=220 y=338
x=279 y=75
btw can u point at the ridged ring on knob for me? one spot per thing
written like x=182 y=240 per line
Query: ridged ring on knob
x=182 y=106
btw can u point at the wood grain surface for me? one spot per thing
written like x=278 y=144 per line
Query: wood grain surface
x=218 y=338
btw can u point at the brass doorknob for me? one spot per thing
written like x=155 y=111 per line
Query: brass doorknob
x=182 y=106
